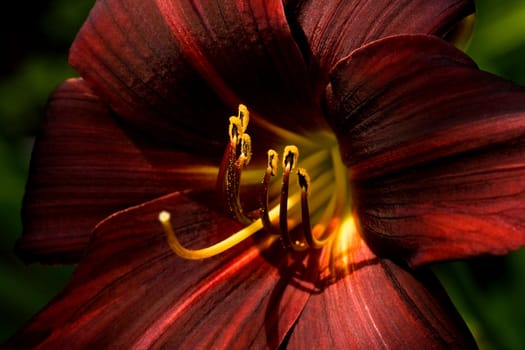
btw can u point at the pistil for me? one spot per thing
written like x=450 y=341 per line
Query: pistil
x=296 y=233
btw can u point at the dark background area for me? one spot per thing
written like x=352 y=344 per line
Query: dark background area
x=36 y=36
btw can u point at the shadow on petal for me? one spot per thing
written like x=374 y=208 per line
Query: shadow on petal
x=85 y=166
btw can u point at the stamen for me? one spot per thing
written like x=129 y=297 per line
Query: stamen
x=235 y=130
x=244 y=116
x=273 y=159
x=304 y=183
x=290 y=157
x=304 y=179
x=326 y=205
x=229 y=177
x=246 y=150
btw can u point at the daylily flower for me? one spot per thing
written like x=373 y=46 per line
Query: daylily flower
x=410 y=155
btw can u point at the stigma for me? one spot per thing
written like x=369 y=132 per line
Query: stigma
x=288 y=211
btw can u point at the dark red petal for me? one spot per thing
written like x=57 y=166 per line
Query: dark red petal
x=85 y=166
x=333 y=29
x=178 y=69
x=381 y=305
x=435 y=148
x=131 y=290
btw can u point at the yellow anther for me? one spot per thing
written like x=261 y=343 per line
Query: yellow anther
x=304 y=179
x=235 y=129
x=246 y=149
x=244 y=116
x=290 y=156
x=273 y=160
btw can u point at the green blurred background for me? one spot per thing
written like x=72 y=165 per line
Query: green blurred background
x=489 y=292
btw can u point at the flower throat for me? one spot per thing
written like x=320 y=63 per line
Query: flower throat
x=288 y=218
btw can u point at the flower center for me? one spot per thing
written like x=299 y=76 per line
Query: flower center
x=305 y=214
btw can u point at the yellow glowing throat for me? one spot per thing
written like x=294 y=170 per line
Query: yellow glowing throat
x=329 y=207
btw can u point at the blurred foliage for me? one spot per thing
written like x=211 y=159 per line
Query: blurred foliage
x=498 y=44
x=37 y=36
x=488 y=291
